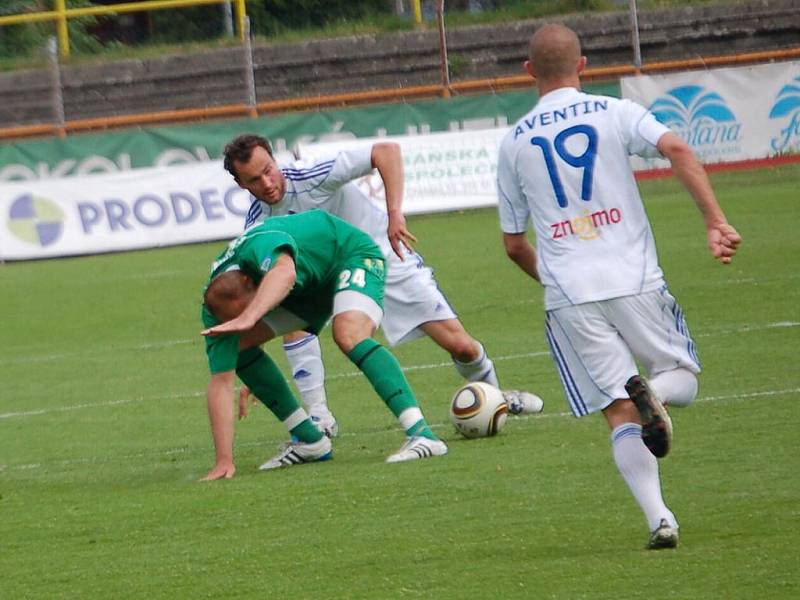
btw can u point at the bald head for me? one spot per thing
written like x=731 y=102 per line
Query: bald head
x=554 y=53
x=228 y=294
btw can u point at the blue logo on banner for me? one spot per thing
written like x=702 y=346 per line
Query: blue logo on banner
x=787 y=104
x=35 y=220
x=702 y=118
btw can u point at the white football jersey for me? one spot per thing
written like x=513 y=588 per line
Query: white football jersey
x=564 y=166
x=327 y=184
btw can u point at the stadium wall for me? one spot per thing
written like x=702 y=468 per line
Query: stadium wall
x=216 y=79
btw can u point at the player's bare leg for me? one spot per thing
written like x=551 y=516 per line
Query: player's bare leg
x=473 y=364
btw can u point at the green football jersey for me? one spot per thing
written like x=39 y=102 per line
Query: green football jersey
x=322 y=247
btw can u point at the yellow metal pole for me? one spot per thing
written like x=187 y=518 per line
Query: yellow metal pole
x=417 y=11
x=62 y=29
x=241 y=11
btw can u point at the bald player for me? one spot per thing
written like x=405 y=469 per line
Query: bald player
x=564 y=167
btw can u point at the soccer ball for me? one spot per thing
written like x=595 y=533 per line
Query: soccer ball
x=478 y=410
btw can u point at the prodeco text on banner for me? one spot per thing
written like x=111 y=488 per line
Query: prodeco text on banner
x=143 y=208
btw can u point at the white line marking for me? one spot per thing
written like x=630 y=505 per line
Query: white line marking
x=189 y=451
x=36 y=358
x=347 y=374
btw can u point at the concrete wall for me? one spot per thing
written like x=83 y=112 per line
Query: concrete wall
x=387 y=61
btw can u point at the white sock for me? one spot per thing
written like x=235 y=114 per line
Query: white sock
x=308 y=371
x=639 y=468
x=677 y=387
x=480 y=369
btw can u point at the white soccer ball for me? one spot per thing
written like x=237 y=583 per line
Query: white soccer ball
x=478 y=410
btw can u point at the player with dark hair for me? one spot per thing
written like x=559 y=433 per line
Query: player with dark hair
x=295 y=273
x=564 y=166
x=414 y=304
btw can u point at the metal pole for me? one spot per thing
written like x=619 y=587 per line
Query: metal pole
x=637 y=50
x=249 y=74
x=58 y=96
x=227 y=18
x=61 y=28
x=241 y=15
x=443 y=49
x=417 y=5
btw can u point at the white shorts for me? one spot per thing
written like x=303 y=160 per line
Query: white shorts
x=596 y=345
x=411 y=298
x=282 y=321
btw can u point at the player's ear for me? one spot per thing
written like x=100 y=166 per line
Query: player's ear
x=582 y=64
x=529 y=68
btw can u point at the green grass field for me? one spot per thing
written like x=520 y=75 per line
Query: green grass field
x=104 y=434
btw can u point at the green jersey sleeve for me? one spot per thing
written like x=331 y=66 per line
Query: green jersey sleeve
x=261 y=252
x=223 y=350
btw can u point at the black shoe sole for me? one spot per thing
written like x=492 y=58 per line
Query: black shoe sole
x=656 y=430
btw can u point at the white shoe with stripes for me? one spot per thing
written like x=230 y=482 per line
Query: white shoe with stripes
x=298 y=453
x=418 y=447
x=522 y=403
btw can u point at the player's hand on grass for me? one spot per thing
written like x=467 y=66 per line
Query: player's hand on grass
x=723 y=240
x=245 y=399
x=399 y=235
x=224 y=470
x=237 y=325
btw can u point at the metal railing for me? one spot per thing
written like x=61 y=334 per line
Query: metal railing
x=377 y=96
x=62 y=14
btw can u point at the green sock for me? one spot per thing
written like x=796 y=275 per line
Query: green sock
x=384 y=373
x=266 y=382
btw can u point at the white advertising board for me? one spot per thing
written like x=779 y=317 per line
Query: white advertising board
x=730 y=114
x=143 y=208
x=146 y=208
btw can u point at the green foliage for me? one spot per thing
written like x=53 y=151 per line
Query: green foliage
x=187 y=24
x=28 y=39
x=269 y=17
x=104 y=433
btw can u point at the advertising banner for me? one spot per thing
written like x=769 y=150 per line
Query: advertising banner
x=145 y=208
x=119 y=151
x=730 y=114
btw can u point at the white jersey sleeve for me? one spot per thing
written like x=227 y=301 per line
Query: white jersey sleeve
x=512 y=205
x=639 y=128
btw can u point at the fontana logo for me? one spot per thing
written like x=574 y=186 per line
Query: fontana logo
x=787 y=106
x=700 y=117
x=36 y=220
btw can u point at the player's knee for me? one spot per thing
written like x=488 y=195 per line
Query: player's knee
x=350 y=329
x=677 y=387
x=464 y=349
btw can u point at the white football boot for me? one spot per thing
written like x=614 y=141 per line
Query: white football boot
x=417 y=447
x=298 y=453
x=522 y=403
x=664 y=536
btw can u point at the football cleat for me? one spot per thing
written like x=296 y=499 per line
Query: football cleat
x=664 y=536
x=522 y=403
x=325 y=422
x=298 y=453
x=417 y=447
x=656 y=424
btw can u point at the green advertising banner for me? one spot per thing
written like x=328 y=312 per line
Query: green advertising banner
x=111 y=152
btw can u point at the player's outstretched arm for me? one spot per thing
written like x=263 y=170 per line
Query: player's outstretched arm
x=274 y=287
x=723 y=239
x=388 y=159
x=220 y=416
x=522 y=252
